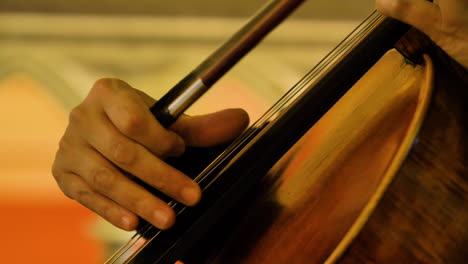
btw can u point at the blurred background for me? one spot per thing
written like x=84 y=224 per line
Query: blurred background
x=52 y=51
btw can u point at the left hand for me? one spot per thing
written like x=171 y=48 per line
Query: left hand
x=444 y=21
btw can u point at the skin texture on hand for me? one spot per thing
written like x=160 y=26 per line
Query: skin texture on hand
x=112 y=131
x=444 y=21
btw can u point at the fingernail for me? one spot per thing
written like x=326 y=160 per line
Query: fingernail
x=190 y=194
x=161 y=218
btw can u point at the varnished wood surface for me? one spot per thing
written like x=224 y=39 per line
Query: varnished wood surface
x=312 y=199
x=423 y=217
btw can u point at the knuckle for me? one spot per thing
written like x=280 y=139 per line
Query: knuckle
x=398 y=5
x=64 y=156
x=102 y=85
x=82 y=196
x=107 y=85
x=76 y=115
x=59 y=179
x=102 y=179
x=59 y=174
x=67 y=193
x=63 y=147
x=160 y=184
x=101 y=90
x=56 y=171
x=392 y=7
x=131 y=123
x=66 y=189
x=124 y=154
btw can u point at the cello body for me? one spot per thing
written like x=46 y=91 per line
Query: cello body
x=381 y=178
x=378 y=176
x=423 y=215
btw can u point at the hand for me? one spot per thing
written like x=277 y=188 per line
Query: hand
x=444 y=21
x=113 y=128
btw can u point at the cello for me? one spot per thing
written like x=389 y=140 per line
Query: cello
x=363 y=161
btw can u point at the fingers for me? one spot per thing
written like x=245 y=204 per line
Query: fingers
x=113 y=131
x=207 y=130
x=76 y=188
x=128 y=112
x=131 y=147
x=104 y=189
x=138 y=161
x=422 y=14
x=95 y=146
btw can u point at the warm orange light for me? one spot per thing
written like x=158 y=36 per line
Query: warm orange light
x=40 y=225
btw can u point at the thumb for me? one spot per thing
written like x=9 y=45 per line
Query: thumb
x=211 y=129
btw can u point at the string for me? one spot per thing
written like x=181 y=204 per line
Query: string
x=208 y=176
